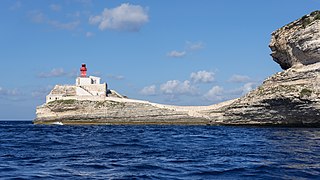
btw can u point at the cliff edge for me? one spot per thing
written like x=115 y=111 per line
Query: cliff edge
x=289 y=98
x=298 y=42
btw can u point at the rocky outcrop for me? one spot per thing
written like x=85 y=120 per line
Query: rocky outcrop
x=67 y=90
x=297 y=43
x=114 y=111
x=289 y=98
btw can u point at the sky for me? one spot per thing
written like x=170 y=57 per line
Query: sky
x=181 y=52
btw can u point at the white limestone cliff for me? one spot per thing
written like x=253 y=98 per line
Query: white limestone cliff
x=297 y=43
x=289 y=98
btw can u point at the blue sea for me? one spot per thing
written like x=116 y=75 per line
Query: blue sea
x=30 y=151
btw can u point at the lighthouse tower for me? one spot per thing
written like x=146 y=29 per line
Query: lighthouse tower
x=89 y=85
x=83 y=70
x=83 y=79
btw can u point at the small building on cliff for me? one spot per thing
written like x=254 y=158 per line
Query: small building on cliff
x=86 y=88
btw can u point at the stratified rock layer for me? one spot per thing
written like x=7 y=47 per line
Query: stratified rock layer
x=290 y=97
x=297 y=43
x=114 y=111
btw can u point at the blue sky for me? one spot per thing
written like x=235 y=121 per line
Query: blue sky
x=184 y=52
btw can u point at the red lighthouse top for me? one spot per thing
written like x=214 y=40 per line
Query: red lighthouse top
x=83 y=70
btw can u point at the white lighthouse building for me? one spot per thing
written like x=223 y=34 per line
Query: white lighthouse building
x=86 y=88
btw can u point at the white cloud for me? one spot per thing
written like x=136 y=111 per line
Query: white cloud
x=41 y=92
x=8 y=92
x=125 y=17
x=17 y=5
x=202 y=76
x=192 y=46
x=177 y=54
x=149 y=90
x=55 y=7
x=12 y=94
x=176 y=87
x=89 y=34
x=243 y=89
x=65 y=26
x=57 y=72
x=248 y=87
x=239 y=79
x=215 y=94
x=39 y=17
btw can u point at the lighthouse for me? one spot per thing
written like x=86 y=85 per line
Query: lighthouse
x=86 y=88
x=83 y=79
x=83 y=70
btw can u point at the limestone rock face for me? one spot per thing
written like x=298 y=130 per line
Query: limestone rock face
x=113 y=111
x=297 y=43
x=290 y=97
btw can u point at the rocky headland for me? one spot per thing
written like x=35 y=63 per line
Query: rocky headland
x=288 y=98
